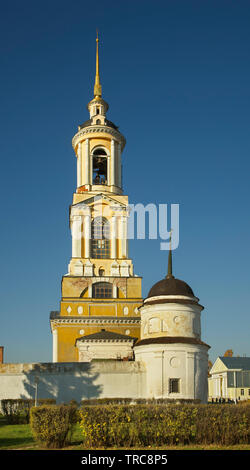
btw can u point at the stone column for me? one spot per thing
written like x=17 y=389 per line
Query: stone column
x=79 y=165
x=114 y=291
x=86 y=177
x=119 y=165
x=112 y=176
x=87 y=235
x=76 y=236
x=123 y=236
x=55 y=345
x=113 y=237
x=90 y=291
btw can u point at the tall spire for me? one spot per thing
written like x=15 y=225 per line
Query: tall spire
x=97 y=87
x=169 y=274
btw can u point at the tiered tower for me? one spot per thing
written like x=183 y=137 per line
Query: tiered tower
x=100 y=294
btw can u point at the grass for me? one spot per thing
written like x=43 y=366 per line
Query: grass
x=15 y=435
x=19 y=436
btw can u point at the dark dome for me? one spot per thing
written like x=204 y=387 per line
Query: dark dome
x=170 y=286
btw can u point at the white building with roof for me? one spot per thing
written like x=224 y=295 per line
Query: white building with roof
x=230 y=379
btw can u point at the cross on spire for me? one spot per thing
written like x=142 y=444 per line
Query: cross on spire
x=97 y=87
x=169 y=274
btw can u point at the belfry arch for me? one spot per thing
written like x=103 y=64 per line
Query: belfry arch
x=100 y=166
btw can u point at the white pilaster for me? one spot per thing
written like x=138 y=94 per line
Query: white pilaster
x=190 y=376
x=55 y=345
x=113 y=237
x=76 y=236
x=114 y=291
x=123 y=236
x=79 y=165
x=88 y=269
x=112 y=176
x=87 y=235
x=119 y=164
x=86 y=176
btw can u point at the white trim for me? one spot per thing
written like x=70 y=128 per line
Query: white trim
x=119 y=164
x=86 y=179
x=170 y=297
x=79 y=164
x=96 y=129
x=114 y=291
x=113 y=237
x=55 y=345
x=87 y=235
x=76 y=236
x=89 y=319
x=112 y=175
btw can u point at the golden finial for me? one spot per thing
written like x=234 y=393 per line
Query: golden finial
x=97 y=87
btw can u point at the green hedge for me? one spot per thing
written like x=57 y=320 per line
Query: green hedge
x=159 y=425
x=52 y=425
x=17 y=411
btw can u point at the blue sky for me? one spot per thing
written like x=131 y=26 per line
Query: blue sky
x=176 y=76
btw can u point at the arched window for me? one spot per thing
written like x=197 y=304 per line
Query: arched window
x=102 y=290
x=100 y=238
x=99 y=166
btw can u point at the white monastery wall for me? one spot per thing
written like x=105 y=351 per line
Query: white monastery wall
x=73 y=381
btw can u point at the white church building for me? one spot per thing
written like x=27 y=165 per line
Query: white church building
x=108 y=342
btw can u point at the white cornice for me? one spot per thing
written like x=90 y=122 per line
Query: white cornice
x=98 y=197
x=98 y=129
x=104 y=341
x=171 y=297
x=89 y=320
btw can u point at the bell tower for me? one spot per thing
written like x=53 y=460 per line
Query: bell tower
x=98 y=146
x=100 y=293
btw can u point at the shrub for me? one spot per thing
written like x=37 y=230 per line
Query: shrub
x=146 y=425
x=52 y=425
x=223 y=424
x=17 y=411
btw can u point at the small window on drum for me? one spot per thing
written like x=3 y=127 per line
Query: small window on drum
x=102 y=290
x=174 y=385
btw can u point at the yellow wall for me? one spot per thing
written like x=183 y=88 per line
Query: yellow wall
x=122 y=307
x=100 y=307
x=73 y=286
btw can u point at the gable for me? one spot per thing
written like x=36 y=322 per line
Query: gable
x=95 y=201
x=218 y=366
x=99 y=198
